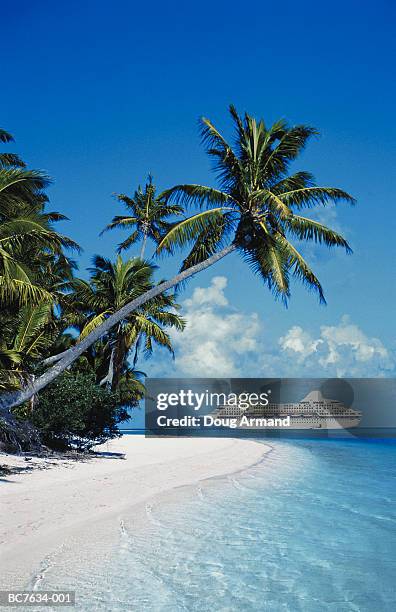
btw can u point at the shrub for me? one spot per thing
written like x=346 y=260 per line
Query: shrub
x=74 y=412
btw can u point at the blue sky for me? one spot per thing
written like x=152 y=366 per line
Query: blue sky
x=99 y=94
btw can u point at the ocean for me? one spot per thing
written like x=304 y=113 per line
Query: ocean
x=311 y=528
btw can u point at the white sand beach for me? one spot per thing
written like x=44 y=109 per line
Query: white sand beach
x=44 y=509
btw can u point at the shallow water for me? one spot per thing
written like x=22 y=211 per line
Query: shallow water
x=311 y=528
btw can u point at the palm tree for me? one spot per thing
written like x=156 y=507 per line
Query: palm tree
x=253 y=212
x=148 y=217
x=95 y=361
x=33 y=266
x=26 y=230
x=257 y=203
x=112 y=286
x=24 y=339
x=29 y=331
x=16 y=231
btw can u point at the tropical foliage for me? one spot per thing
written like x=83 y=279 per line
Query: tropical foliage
x=257 y=204
x=29 y=245
x=74 y=412
x=255 y=211
x=148 y=217
x=35 y=268
x=45 y=309
x=110 y=287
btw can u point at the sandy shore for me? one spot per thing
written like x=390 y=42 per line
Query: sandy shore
x=46 y=508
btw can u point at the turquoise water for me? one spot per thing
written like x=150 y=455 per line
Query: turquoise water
x=311 y=528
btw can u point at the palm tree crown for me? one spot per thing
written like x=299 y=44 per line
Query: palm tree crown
x=257 y=204
x=148 y=216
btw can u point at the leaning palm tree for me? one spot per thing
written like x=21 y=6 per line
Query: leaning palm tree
x=256 y=207
x=254 y=212
x=147 y=219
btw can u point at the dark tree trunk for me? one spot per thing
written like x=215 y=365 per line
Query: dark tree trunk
x=119 y=357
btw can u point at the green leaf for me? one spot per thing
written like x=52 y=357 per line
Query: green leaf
x=186 y=231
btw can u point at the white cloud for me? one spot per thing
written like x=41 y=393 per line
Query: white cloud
x=299 y=341
x=341 y=350
x=216 y=338
x=212 y=295
x=220 y=340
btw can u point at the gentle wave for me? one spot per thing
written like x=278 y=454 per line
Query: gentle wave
x=311 y=528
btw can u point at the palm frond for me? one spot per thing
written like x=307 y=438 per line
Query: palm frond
x=272 y=202
x=126 y=244
x=94 y=323
x=190 y=195
x=9 y=358
x=15 y=291
x=153 y=333
x=308 y=229
x=210 y=239
x=31 y=335
x=227 y=165
x=11 y=159
x=300 y=268
x=25 y=179
x=307 y=197
x=119 y=221
x=5 y=136
x=299 y=180
x=291 y=142
x=270 y=264
x=184 y=232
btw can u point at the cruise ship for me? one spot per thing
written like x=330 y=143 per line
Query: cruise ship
x=312 y=412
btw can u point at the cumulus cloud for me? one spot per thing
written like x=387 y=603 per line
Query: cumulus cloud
x=217 y=338
x=220 y=340
x=299 y=341
x=341 y=350
x=212 y=295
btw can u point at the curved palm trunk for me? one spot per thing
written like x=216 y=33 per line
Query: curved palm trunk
x=8 y=400
x=58 y=357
